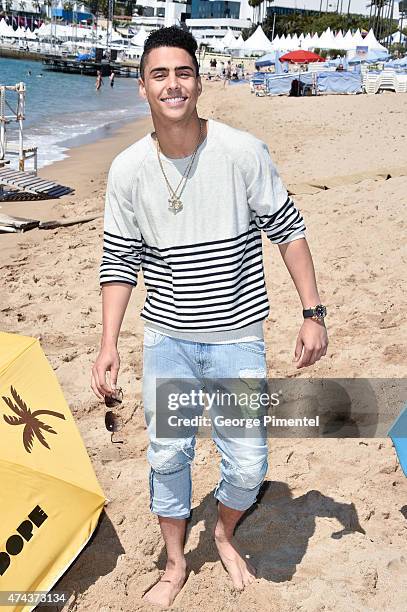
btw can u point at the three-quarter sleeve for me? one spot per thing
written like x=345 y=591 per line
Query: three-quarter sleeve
x=274 y=211
x=122 y=243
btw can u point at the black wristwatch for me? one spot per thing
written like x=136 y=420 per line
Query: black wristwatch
x=318 y=313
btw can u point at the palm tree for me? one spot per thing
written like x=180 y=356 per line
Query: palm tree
x=378 y=7
x=48 y=5
x=32 y=425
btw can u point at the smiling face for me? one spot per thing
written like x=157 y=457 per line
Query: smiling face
x=170 y=84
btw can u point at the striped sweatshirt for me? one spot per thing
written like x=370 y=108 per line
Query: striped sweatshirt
x=202 y=267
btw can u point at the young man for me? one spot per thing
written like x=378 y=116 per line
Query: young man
x=187 y=204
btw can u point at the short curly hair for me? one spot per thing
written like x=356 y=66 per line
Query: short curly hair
x=170 y=37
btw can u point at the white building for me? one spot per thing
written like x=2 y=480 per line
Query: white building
x=160 y=13
x=211 y=31
x=358 y=7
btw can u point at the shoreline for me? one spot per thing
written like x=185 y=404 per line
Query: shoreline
x=73 y=171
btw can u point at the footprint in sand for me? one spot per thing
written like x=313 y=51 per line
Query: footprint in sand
x=393 y=353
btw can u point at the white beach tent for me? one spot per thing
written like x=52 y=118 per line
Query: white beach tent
x=276 y=43
x=327 y=40
x=307 y=42
x=140 y=38
x=30 y=35
x=348 y=41
x=295 y=43
x=286 y=40
x=6 y=30
x=19 y=33
x=240 y=42
x=217 y=44
x=44 y=30
x=397 y=37
x=314 y=42
x=228 y=41
x=372 y=42
x=258 y=42
x=236 y=43
x=339 y=41
x=358 y=40
x=282 y=43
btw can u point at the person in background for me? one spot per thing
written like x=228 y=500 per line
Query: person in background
x=99 y=80
x=228 y=74
x=111 y=78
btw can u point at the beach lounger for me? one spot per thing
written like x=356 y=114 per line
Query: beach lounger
x=19 y=186
x=401 y=83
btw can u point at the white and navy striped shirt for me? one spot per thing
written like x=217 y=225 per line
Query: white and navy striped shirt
x=203 y=267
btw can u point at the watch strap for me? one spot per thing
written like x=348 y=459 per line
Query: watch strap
x=318 y=312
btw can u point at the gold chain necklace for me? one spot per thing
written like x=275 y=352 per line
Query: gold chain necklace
x=174 y=201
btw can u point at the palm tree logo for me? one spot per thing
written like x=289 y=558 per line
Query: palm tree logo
x=32 y=425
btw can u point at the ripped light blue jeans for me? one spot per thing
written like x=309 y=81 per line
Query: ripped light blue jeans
x=243 y=460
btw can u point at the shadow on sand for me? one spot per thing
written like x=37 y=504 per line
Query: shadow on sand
x=98 y=558
x=274 y=533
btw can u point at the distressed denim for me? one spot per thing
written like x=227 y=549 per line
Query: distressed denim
x=243 y=460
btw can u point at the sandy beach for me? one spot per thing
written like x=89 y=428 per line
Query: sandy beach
x=356 y=230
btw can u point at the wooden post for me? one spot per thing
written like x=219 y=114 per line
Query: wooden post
x=20 y=118
x=2 y=123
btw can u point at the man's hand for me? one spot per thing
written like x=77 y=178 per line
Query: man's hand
x=108 y=360
x=312 y=343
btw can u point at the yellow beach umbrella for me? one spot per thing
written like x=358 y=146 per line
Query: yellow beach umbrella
x=49 y=494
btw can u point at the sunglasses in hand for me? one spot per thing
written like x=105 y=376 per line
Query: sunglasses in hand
x=114 y=420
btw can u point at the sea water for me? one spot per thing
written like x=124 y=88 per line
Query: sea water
x=65 y=110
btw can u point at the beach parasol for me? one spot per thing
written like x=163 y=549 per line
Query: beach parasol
x=50 y=497
x=301 y=57
x=398 y=434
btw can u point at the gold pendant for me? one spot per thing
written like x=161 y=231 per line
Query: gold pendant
x=175 y=204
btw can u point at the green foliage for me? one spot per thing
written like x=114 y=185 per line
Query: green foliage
x=331 y=52
x=99 y=6
x=299 y=22
x=397 y=49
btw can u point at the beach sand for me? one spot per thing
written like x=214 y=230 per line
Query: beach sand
x=315 y=488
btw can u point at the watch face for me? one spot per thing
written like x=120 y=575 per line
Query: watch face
x=320 y=311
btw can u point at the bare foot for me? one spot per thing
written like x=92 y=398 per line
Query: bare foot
x=240 y=571
x=164 y=592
